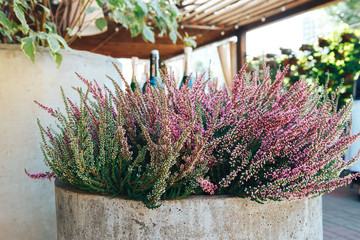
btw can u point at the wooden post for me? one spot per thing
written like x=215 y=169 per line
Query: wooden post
x=241 y=48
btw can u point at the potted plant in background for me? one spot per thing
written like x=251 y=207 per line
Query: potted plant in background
x=256 y=140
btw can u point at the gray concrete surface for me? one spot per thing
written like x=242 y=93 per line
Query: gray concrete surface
x=81 y=215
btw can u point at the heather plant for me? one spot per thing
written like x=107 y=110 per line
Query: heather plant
x=257 y=139
x=273 y=143
x=145 y=146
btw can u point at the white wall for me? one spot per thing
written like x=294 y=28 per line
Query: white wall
x=355 y=128
x=27 y=207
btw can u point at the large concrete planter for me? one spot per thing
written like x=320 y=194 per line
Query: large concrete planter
x=27 y=209
x=81 y=215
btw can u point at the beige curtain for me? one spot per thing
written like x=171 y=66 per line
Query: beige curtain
x=227 y=54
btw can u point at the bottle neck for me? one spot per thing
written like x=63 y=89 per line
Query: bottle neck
x=134 y=60
x=154 y=65
x=187 y=65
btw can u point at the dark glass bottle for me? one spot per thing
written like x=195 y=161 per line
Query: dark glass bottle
x=133 y=78
x=155 y=77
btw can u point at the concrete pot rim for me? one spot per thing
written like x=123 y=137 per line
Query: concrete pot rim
x=65 y=186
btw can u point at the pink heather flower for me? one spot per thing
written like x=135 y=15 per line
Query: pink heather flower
x=45 y=175
x=48 y=109
x=207 y=186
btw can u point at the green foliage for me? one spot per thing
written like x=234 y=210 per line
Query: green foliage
x=189 y=41
x=42 y=23
x=335 y=59
x=142 y=17
x=22 y=22
x=101 y=23
x=347 y=11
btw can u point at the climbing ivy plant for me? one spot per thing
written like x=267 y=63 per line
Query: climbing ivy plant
x=49 y=23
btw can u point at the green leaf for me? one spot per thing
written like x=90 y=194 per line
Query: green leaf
x=57 y=58
x=139 y=14
x=50 y=27
x=47 y=10
x=4 y=21
x=173 y=36
x=61 y=40
x=40 y=35
x=120 y=18
x=128 y=4
x=135 y=30
x=101 y=23
x=143 y=6
x=28 y=47
x=155 y=6
x=99 y=3
x=20 y=15
x=90 y=10
x=53 y=43
x=148 y=34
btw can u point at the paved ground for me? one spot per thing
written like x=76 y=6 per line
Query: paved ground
x=341 y=214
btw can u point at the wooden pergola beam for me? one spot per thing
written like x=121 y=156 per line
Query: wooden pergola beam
x=241 y=48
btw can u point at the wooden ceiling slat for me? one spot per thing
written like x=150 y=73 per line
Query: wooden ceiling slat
x=192 y=10
x=202 y=16
x=223 y=15
x=196 y=15
x=182 y=5
x=257 y=15
x=262 y=10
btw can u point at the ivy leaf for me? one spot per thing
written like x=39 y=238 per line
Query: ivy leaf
x=128 y=4
x=47 y=10
x=155 y=6
x=53 y=43
x=99 y=3
x=101 y=23
x=120 y=18
x=20 y=15
x=173 y=36
x=143 y=6
x=4 y=21
x=57 y=58
x=28 y=47
x=40 y=35
x=134 y=29
x=148 y=34
x=90 y=10
x=62 y=41
x=139 y=14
